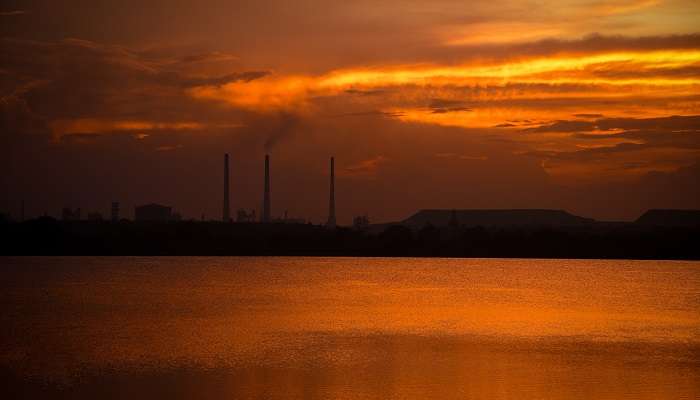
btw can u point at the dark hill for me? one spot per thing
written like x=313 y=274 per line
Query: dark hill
x=496 y=218
x=670 y=218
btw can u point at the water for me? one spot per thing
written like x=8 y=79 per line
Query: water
x=352 y=328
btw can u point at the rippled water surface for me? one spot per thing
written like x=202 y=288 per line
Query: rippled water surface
x=367 y=328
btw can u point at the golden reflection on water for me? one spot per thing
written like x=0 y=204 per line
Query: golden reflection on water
x=353 y=327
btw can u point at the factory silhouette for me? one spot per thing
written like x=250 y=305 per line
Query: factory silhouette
x=160 y=213
x=453 y=218
x=154 y=212
x=159 y=230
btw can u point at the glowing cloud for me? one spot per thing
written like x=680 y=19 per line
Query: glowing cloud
x=83 y=126
x=594 y=73
x=498 y=94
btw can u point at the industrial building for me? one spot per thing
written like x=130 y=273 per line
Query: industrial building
x=153 y=213
x=94 y=217
x=69 y=214
x=243 y=215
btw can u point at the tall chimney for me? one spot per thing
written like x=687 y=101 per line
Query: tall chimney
x=266 y=200
x=331 y=200
x=227 y=210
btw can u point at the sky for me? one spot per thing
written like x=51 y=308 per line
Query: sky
x=584 y=105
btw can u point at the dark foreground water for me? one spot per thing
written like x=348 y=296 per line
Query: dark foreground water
x=349 y=328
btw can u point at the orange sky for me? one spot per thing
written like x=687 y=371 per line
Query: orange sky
x=424 y=104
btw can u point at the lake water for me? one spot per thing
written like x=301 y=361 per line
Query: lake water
x=349 y=328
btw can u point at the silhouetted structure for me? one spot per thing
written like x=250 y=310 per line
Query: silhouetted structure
x=286 y=219
x=115 y=212
x=670 y=218
x=244 y=216
x=361 y=222
x=331 y=200
x=21 y=212
x=227 y=211
x=153 y=213
x=494 y=218
x=94 y=216
x=293 y=220
x=47 y=236
x=69 y=214
x=266 y=197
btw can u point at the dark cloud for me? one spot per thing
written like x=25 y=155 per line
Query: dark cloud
x=442 y=106
x=176 y=79
x=589 y=115
x=573 y=102
x=594 y=43
x=84 y=137
x=372 y=92
x=321 y=35
x=516 y=123
x=635 y=71
x=16 y=118
x=638 y=144
x=588 y=154
x=671 y=123
x=448 y=110
x=563 y=126
x=207 y=57
x=75 y=58
x=12 y=13
x=365 y=169
x=370 y=113
x=690 y=138
x=78 y=79
x=687 y=142
x=445 y=103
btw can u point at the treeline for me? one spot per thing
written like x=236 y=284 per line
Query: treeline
x=46 y=236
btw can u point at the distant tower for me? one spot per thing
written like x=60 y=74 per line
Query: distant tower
x=115 y=211
x=331 y=200
x=21 y=214
x=266 y=199
x=227 y=211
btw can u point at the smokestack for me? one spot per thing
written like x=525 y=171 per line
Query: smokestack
x=266 y=199
x=227 y=210
x=331 y=200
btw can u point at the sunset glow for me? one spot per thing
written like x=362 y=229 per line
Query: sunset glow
x=577 y=93
x=350 y=199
